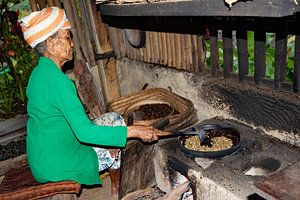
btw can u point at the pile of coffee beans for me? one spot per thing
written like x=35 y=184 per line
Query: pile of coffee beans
x=155 y=111
x=12 y=149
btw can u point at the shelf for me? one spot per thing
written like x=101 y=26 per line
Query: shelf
x=254 y=8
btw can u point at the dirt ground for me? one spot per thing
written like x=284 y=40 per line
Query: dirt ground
x=98 y=193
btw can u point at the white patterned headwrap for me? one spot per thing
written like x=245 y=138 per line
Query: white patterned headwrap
x=40 y=25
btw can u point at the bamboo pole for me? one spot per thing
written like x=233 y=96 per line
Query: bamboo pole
x=160 y=53
x=79 y=27
x=194 y=54
x=189 y=53
x=178 y=51
x=41 y=4
x=164 y=48
x=156 y=47
x=152 y=47
x=85 y=28
x=57 y=3
x=148 y=48
x=33 y=5
x=107 y=68
x=69 y=13
x=103 y=81
x=183 y=50
x=169 y=49
x=173 y=52
x=50 y=2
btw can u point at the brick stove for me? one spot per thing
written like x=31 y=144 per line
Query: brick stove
x=236 y=176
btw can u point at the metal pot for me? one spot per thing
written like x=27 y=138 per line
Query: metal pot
x=218 y=130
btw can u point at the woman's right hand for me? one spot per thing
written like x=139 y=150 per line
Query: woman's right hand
x=145 y=133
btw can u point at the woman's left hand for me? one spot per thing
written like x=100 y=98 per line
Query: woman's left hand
x=145 y=133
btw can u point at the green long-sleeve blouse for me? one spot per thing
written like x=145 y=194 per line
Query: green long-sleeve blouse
x=58 y=130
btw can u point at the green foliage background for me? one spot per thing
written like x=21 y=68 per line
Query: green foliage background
x=270 y=56
x=17 y=60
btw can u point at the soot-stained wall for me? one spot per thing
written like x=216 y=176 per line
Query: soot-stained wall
x=277 y=113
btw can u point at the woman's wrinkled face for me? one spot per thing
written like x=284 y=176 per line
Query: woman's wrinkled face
x=63 y=48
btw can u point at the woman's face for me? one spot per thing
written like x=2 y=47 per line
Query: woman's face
x=63 y=48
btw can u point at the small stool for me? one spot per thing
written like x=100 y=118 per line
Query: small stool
x=19 y=184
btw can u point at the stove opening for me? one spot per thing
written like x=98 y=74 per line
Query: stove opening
x=261 y=166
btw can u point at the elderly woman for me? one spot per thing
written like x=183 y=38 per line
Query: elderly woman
x=59 y=134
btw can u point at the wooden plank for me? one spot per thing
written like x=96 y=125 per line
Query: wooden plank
x=13 y=124
x=259 y=8
x=280 y=56
x=122 y=43
x=16 y=162
x=113 y=36
x=259 y=55
x=214 y=50
x=242 y=48
x=282 y=185
x=227 y=49
x=143 y=169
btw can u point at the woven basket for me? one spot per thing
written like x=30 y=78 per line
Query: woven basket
x=185 y=116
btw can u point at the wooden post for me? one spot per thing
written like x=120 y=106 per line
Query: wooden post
x=227 y=48
x=280 y=55
x=259 y=55
x=242 y=48
x=107 y=67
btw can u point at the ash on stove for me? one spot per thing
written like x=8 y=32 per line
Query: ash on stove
x=12 y=149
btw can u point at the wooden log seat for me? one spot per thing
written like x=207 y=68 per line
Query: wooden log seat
x=19 y=184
